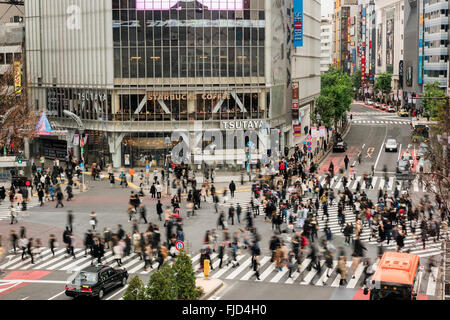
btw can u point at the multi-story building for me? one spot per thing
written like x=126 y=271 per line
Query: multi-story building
x=306 y=69
x=11 y=41
x=436 y=40
x=390 y=27
x=134 y=71
x=326 y=35
x=10 y=13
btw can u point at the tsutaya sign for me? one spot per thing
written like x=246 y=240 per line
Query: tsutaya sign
x=243 y=124
x=192 y=96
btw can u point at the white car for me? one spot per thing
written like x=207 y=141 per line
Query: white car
x=391 y=145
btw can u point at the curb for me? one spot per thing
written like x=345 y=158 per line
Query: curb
x=206 y=296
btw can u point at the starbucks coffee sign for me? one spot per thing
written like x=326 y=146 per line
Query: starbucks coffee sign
x=242 y=124
x=187 y=96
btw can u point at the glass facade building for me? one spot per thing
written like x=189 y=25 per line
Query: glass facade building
x=186 y=41
x=134 y=71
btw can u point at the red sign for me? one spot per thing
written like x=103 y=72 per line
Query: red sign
x=179 y=245
x=294 y=105
x=297 y=130
x=363 y=67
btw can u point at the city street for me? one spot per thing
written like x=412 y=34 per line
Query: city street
x=46 y=278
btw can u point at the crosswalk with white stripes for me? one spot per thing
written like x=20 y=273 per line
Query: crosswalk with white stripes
x=5 y=208
x=412 y=245
x=389 y=185
x=303 y=275
x=34 y=202
x=381 y=122
x=375 y=113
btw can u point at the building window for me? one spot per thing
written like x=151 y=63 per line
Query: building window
x=9 y=58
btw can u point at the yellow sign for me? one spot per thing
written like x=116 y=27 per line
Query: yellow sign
x=370 y=152
x=17 y=77
x=206 y=268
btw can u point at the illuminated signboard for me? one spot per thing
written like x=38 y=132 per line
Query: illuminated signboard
x=420 y=69
x=298 y=23
x=210 y=4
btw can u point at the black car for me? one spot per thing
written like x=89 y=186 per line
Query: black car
x=340 y=146
x=94 y=281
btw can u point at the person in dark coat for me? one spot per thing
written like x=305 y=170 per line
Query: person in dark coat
x=159 y=210
x=88 y=241
x=59 y=198
x=232 y=188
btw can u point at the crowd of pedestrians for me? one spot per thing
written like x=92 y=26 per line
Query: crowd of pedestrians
x=287 y=194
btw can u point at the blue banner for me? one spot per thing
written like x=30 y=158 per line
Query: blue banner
x=298 y=23
x=419 y=80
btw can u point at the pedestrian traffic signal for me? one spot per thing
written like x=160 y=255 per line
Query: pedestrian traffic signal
x=19 y=160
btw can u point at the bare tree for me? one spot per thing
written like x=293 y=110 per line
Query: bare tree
x=17 y=119
x=437 y=180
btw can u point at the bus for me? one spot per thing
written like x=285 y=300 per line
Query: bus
x=396 y=277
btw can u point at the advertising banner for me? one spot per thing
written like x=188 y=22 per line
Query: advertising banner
x=298 y=23
x=390 y=40
x=420 y=70
x=76 y=139
x=400 y=74
x=295 y=91
x=322 y=131
x=297 y=130
x=17 y=77
x=314 y=132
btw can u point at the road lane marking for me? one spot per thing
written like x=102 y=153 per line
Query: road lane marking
x=399 y=152
x=56 y=295
x=251 y=273
x=239 y=270
x=115 y=294
x=379 y=154
x=35 y=281
x=431 y=288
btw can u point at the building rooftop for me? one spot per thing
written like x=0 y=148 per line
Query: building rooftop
x=12 y=33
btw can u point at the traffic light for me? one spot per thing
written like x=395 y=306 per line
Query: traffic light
x=19 y=159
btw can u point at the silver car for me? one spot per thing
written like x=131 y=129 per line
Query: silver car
x=391 y=145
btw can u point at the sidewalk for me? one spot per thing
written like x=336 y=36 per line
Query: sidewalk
x=209 y=286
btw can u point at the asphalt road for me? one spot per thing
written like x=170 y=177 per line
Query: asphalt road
x=110 y=205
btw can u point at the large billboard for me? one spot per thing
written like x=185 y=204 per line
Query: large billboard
x=298 y=23
x=420 y=68
x=379 y=44
x=210 y=4
x=390 y=40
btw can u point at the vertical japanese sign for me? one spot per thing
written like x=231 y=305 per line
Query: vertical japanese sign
x=298 y=23
x=17 y=77
x=297 y=130
x=390 y=40
x=400 y=74
x=420 y=70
